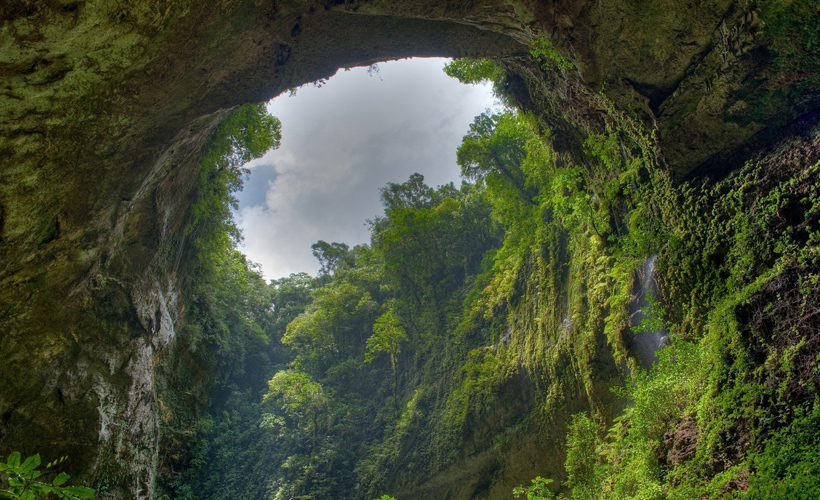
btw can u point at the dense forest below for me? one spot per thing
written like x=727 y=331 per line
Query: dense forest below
x=629 y=335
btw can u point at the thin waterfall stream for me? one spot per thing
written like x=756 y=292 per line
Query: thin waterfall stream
x=646 y=341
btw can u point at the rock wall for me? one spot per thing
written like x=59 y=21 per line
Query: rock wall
x=105 y=108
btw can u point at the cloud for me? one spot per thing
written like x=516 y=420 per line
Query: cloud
x=254 y=192
x=340 y=144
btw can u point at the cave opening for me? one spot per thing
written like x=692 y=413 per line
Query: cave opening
x=344 y=138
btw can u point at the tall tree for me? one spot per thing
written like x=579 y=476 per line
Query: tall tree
x=496 y=144
x=388 y=337
x=330 y=255
x=301 y=398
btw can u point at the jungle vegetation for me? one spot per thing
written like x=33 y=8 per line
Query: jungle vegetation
x=328 y=387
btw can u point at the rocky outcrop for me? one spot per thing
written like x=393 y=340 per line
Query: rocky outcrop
x=105 y=108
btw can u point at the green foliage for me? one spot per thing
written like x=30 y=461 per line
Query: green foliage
x=722 y=413
x=25 y=483
x=516 y=277
x=472 y=71
x=247 y=133
x=413 y=193
x=538 y=490
x=429 y=241
x=329 y=255
x=789 y=464
x=388 y=336
x=234 y=319
x=300 y=395
x=322 y=332
x=226 y=445
x=495 y=145
x=548 y=57
x=230 y=301
x=584 y=475
x=480 y=378
x=383 y=456
x=653 y=315
x=290 y=295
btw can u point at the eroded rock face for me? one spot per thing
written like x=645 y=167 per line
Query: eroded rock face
x=105 y=108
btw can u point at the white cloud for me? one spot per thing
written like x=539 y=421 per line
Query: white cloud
x=340 y=144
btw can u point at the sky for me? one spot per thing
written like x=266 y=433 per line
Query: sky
x=341 y=142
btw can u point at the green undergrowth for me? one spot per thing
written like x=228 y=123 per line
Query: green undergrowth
x=226 y=344
x=507 y=284
x=484 y=314
x=23 y=480
x=462 y=292
x=730 y=409
x=226 y=296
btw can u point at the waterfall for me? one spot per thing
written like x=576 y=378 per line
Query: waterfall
x=645 y=344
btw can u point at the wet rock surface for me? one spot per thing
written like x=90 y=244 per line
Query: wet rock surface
x=648 y=336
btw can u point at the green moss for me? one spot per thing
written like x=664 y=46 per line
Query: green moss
x=711 y=418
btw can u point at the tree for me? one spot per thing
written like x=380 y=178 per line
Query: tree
x=290 y=296
x=585 y=471
x=301 y=398
x=329 y=255
x=251 y=132
x=388 y=336
x=496 y=144
x=246 y=134
x=331 y=327
x=413 y=193
x=472 y=71
x=429 y=243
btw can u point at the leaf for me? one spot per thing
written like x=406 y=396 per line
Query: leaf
x=60 y=479
x=14 y=459
x=40 y=488
x=30 y=464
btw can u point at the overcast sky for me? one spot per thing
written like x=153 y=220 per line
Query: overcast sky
x=340 y=144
